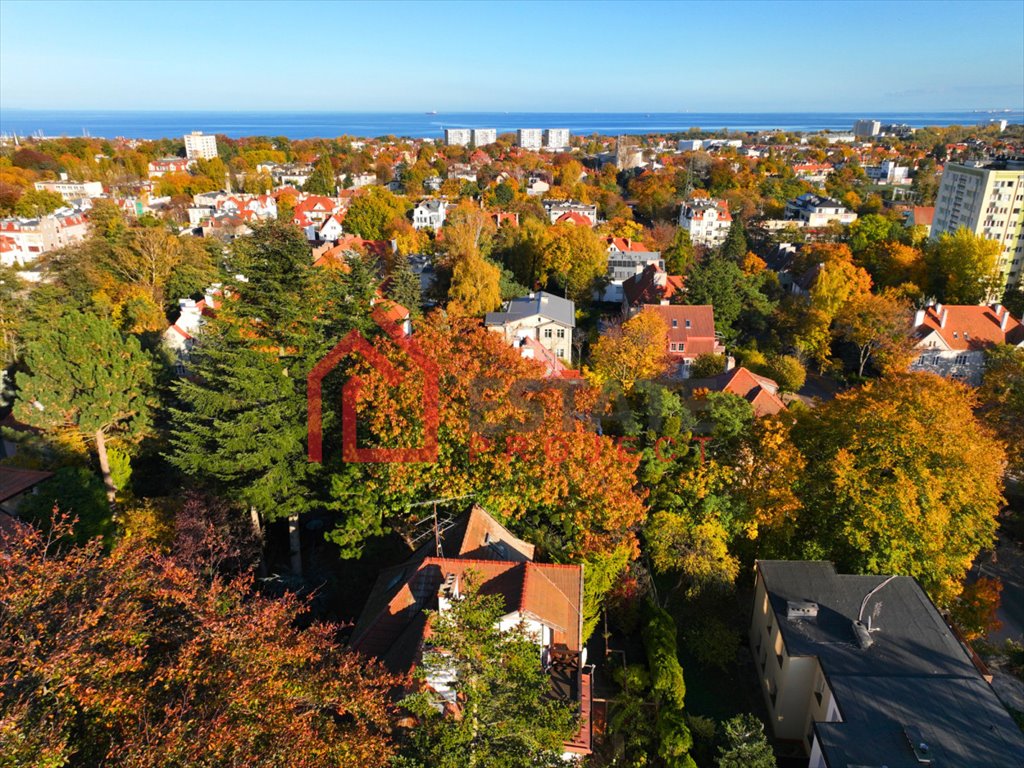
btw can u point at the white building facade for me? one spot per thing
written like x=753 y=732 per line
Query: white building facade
x=706 y=220
x=530 y=138
x=556 y=138
x=200 y=146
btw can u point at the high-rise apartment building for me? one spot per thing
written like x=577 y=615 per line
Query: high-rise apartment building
x=200 y=146
x=529 y=138
x=556 y=138
x=484 y=136
x=457 y=137
x=865 y=129
x=988 y=200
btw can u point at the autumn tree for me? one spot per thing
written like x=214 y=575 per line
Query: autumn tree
x=878 y=324
x=878 y=496
x=132 y=659
x=507 y=716
x=475 y=287
x=82 y=372
x=38 y=202
x=12 y=299
x=371 y=214
x=1002 y=399
x=634 y=351
x=962 y=267
x=575 y=256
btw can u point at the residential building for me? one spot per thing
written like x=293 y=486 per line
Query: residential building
x=558 y=208
x=888 y=172
x=816 y=173
x=71 y=190
x=430 y=214
x=689 y=145
x=866 y=129
x=547 y=599
x=706 y=220
x=626 y=259
x=651 y=286
x=691 y=333
x=180 y=336
x=537 y=186
x=818 y=211
x=484 y=136
x=556 y=138
x=989 y=201
x=200 y=146
x=542 y=316
x=165 y=165
x=761 y=392
x=458 y=137
x=22 y=241
x=861 y=670
x=951 y=340
x=530 y=138
x=628 y=153
x=921 y=216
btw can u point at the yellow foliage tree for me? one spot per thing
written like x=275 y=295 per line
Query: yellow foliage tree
x=632 y=352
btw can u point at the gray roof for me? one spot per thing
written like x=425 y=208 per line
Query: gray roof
x=915 y=675
x=542 y=303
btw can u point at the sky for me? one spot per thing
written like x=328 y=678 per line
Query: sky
x=512 y=56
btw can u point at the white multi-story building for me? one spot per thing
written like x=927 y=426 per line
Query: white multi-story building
x=430 y=214
x=71 y=190
x=707 y=221
x=952 y=340
x=484 y=136
x=818 y=211
x=199 y=145
x=556 y=138
x=457 y=137
x=888 y=173
x=22 y=241
x=556 y=209
x=542 y=316
x=530 y=138
x=989 y=201
x=866 y=129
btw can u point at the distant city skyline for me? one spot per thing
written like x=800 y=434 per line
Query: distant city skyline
x=558 y=57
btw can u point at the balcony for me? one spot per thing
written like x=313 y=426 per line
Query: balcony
x=571 y=682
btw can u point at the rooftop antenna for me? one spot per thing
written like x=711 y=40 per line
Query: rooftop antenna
x=438 y=526
x=860 y=631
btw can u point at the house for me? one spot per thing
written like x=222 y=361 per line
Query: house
x=863 y=671
x=651 y=286
x=504 y=217
x=760 y=391
x=165 y=165
x=331 y=228
x=815 y=173
x=706 y=220
x=180 y=336
x=626 y=258
x=558 y=208
x=537 y=186
x=818 y=211
x=888 y=172
x=921 y=216
x=548 y=599
x=691 y=333
x=27 y=239
x=542 y=316
x=531 y=349
x=430 y=214
x=951 y=340
x=15 y=484
x=71 y=190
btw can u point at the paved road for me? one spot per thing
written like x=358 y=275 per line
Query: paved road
x=1008 y=567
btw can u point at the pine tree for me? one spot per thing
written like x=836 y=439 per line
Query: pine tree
x=322 y=180
x=82 y=372
x=403 y=286
x=735 y=246
x=679 y=255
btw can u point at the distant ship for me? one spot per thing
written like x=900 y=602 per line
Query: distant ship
x=432 y=112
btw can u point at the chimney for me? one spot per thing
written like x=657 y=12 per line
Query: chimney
x=1006 y=319
x=449 y=591
x=942 y=320
x=938 y=309
x=919 y=318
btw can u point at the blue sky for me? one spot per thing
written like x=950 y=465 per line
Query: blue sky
x=532 y=56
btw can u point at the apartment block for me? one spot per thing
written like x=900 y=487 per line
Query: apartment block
x=200 y=146
x=458 y=137
x=530 y=138
x=484 y=136
x=556 y=138
x=988 y=200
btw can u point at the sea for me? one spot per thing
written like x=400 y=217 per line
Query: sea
x=306 y=125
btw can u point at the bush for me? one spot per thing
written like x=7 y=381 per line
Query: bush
x=788 y=372
x=707 y=365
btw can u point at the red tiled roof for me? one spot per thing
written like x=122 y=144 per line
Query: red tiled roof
x=571 y=217
x=698 y=338
x=922 y=214
x=624 y=244
x=644 y=288
x=971 y=327
x=759 y=391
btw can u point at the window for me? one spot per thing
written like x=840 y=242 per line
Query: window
x=675 y=323
x=561 y=333
x=687 y=323
x=672 y=347
x=547 y=333
x=819 y=689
